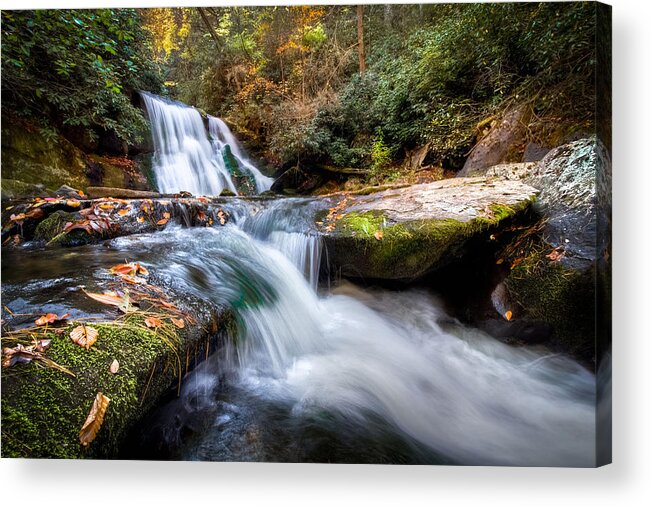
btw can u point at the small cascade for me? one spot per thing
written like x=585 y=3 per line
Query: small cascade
x=184 y=158
x=222 y=136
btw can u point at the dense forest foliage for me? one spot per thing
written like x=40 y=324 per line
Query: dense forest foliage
x=349 y=86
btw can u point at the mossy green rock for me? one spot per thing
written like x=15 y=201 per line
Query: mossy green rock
x=29 y=157
x=43 y=408
x=405 y=233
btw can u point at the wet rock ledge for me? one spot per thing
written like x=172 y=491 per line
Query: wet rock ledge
x=405 y=233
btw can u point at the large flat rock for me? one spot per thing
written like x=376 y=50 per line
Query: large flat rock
x=405 y=233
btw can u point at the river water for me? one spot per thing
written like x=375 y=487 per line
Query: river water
x=332 y=372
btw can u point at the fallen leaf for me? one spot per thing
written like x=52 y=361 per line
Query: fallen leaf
x=123 y=212
x=21 y=354
x=94 y=420
x=50 y=318
x=508 y=315
x=106 y=206
x=499 y=261
x=84 y=336
x=153 y=322
x=556 y=254
x=131 y=268
x=378 y=235
x=166 y=215
x=115 y=366
x=140 y=219
x=222 y=217
x=112 y=298
x=162 y=221
x=73 y=203
x=180 y=323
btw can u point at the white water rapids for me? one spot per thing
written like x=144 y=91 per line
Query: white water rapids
x=370 y=359
x=188 y=159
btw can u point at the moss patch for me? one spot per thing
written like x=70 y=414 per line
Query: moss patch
x=561 y=297
x=406 y=250
x=43 y=409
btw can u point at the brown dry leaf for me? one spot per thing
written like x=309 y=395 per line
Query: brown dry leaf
x=162 y=221
x=153 y=322
x=73 y=203
x=108 y=298
x=180 y=323
x=499 y=261
x=113 y=298
x=84 y=336
x=508 y=315
x=94 y=420
x=129 y=269
x=50 y=318
x=378 y=235
x=556 y=254
x=222 y=217
x=115 y=366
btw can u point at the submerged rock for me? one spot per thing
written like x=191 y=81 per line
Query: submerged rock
x=405 y=233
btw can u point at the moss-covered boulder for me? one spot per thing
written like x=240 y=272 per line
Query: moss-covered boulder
x=558 y=272
x=405 y=233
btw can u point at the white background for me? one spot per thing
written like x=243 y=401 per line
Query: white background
x=626 y=482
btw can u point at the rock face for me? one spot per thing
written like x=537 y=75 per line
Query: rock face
x=405 y=233
x=497 y=146
x=554 y=275
x=33 y=164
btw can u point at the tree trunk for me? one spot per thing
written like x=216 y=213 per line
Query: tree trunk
x=360 y=40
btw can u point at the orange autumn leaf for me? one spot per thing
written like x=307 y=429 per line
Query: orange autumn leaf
x=50 y=318
x=94 y=420
x=153 y=322
x=112 y=298
x=166 y=215
x=73 y=203
x=378 y=235
x=180 y=323
x=140 y=220
x=508 y=315
x=131 y=268
x=123 y=212
x=84 y=336
x=162 y=221
x=556 y=254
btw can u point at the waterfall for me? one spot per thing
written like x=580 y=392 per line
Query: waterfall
x=222 y=136
x=186 y=158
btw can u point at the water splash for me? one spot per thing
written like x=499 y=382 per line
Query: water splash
x=365 y=356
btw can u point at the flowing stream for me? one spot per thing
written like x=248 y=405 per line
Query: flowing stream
x=319 y=373
x=354 y=374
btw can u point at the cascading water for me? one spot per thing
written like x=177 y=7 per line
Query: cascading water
x=362 y=375
x=222 y=136
x=186 y=159
x=343 y=375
